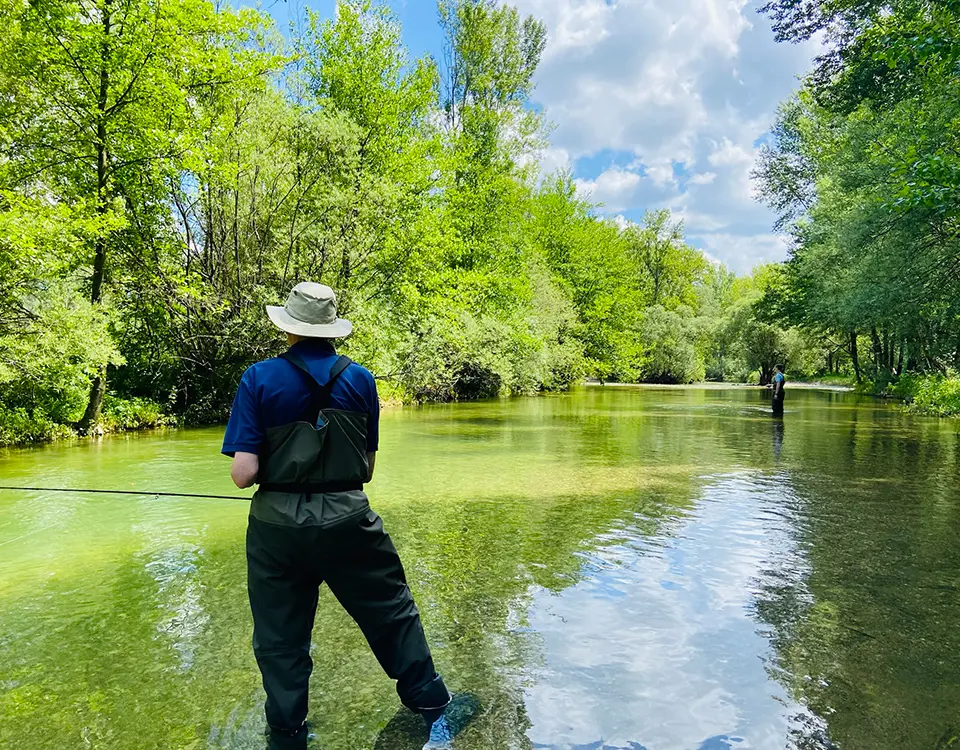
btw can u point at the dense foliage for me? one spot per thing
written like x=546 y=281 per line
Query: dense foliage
x=864 y=170
x=167 y=168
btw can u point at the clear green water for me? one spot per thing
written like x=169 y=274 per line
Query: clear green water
x=618 y=568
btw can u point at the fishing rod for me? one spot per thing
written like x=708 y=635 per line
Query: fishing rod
x=124 y=492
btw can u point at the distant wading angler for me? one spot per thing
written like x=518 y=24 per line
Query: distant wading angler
x=305 y=427
x=778 y=384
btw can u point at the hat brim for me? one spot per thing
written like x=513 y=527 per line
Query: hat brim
x=339 y=329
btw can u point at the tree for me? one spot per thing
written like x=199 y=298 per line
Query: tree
x=589 y=261
x=669 y=269
x=358 y=68
x=105 y=113
x=863 y=172
x=669 y=339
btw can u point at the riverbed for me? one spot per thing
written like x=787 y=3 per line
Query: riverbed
x=618 y=568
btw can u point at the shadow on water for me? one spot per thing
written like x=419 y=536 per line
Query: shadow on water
x=614 y=569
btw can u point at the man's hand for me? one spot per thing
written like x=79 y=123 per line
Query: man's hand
x=244 y=469
x=371 y=462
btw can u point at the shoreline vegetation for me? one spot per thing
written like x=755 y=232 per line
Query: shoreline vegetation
x=919 y=400
x=146 y=221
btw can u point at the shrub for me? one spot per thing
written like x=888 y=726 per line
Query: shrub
x=121 y=414
x=19 y=427
x=929 y=394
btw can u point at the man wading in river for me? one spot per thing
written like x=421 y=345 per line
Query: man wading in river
x=778 y=383
x=305 y=426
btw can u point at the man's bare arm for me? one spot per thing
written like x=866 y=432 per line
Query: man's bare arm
x=244 y=469
x=371 y=462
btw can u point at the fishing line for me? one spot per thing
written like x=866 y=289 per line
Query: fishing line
x=124 y=492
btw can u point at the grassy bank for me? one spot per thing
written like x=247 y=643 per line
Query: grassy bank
x=935 y=395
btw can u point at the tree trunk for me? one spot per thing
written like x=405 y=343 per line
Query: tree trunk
x=94 y=406
x=100 y=248
x=903 y=346
x=855 y=356
x=99 y=386
x=766 y=374
x=877 y=350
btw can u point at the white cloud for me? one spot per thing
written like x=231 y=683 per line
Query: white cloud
x=662 y=174
x=694 y=221
x=554 y=160
x=622 y=221
x=613 y=188
x=670 y=84
x=729 y=154
x=703 y=178
x=573 y=25
x=743 y=252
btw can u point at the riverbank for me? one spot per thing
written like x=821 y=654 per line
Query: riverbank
x=844 y=382
x=927 y=395
x=932 y=395
x=720 y=385
x=18 y=426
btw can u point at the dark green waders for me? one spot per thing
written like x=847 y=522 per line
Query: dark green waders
x=311 y=524
x=777 y=404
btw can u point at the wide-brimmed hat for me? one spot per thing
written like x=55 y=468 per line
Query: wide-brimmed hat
x=311 y=311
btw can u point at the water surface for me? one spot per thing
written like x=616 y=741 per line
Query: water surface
x=619 y=568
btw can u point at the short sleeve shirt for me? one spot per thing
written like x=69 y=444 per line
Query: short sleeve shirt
x=778 y=378
x=273 y=393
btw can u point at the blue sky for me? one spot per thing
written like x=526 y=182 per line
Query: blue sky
x=655 y=103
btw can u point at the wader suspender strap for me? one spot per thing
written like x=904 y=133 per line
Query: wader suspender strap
x=319 y=394
x=319 y=400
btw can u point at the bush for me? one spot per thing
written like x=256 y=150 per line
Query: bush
x=937 y=395
x=19 y=427
x=48 y=363
x=122 y=414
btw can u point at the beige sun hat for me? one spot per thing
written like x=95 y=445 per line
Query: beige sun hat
x=311 y=311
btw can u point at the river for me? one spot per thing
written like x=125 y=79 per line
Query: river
x=618 y=568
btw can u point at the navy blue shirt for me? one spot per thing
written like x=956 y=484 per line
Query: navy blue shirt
x=273 y=393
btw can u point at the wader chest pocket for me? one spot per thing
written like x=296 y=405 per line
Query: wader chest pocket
x=344 y=454
x=324 y=447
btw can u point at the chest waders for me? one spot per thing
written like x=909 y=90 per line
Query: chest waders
x=320 y=462
x=324 y=451
x=777 y=398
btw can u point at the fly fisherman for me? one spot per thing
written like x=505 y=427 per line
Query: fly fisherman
x=779 y=381
x=305 y=427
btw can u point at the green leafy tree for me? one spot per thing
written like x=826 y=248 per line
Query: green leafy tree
x=669 y=269
x=105 y=109
x=669 y=340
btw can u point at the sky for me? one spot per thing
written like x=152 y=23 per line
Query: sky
x=655 y=104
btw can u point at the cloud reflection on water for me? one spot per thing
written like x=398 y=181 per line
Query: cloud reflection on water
x=658 y=646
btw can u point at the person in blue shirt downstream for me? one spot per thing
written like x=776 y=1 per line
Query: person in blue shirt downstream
x=305 y=428
x=778 y=383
